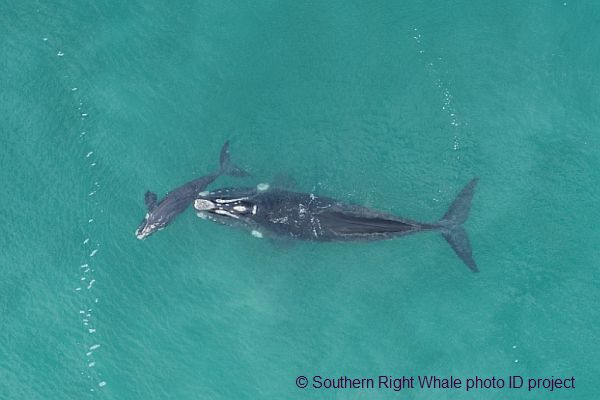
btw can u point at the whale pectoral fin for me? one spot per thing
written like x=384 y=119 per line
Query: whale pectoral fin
x=150 y=200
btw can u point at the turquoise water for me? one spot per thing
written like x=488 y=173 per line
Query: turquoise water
x=394 y=106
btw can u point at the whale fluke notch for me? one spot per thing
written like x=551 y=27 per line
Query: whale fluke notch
x=451 y=225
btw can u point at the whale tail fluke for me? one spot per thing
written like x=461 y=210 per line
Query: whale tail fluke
x=451 y=225
x=227 y=167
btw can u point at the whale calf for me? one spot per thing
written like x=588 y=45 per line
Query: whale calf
x=305 y=216
x=160 y=214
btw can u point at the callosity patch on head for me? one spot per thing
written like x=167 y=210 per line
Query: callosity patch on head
x=202 y=204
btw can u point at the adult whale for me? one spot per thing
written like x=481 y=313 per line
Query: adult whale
x=305 y=216
x=160 y=214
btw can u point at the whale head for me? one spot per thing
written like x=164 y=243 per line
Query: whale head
x=227 y=206
x=148 y=226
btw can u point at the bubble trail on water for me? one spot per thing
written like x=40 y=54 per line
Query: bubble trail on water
x=89 y=246
x=431 y=65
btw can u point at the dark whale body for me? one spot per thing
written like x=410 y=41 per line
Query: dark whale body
x=160 y=214
x=305 y=216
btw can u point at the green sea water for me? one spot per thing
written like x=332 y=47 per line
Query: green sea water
x=392 y=105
